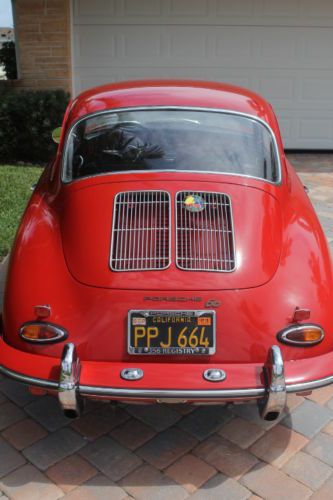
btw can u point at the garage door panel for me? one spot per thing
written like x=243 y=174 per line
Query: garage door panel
x=318 y=45
x=278 y=10
x=318 y=90
x=282 y=50
x=250 y=47
x=147 y=9
x=295 y=89
x=318 y=11
x=277 y=88
x=208 y=12
x=84 y=10
x=182 y=8
x=316 y=129
x=236 y=11
x=300 y=131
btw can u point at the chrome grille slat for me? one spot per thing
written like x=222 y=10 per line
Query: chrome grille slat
x=226 y=219
x=141 y=231
x=205 y=239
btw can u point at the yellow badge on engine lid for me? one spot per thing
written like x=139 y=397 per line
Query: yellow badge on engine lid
x=194 y=203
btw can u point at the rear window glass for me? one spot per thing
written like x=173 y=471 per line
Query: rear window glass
x=170 y=139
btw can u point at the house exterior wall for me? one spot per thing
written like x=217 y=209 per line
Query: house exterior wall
x=44 y=44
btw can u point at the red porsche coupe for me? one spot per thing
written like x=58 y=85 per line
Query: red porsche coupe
x=169 y=253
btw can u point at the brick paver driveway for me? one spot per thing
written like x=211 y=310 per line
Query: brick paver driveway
x=173 y=452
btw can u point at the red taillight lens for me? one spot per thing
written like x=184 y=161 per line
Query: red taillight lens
x=39 y=332
x=301 y=335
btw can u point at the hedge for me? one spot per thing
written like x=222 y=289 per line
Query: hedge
x=27 y=118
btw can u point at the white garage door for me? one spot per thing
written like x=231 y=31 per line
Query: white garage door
x=280 y=48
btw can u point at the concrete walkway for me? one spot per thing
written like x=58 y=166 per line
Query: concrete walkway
x=173 y=452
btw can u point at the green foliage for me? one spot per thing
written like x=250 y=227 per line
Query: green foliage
x=27 y=119
x=15 y=190
x=8 y=59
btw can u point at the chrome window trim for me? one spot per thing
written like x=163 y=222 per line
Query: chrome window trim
x=172 y=108
x=113 y=226
x=233 y=235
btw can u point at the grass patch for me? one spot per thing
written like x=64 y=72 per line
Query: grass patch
x=15 y=184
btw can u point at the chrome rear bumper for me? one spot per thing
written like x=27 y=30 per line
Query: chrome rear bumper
x=271 y=398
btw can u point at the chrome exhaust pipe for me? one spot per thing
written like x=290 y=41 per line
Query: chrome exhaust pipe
x=72 y=414
x=69 y=399
x=274 y=403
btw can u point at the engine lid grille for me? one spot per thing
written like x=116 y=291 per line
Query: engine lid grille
x=204 y=229
x=141 y=231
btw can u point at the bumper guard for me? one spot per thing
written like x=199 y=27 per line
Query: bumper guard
x=270 y=406
x=273 y=404
x=68 y=395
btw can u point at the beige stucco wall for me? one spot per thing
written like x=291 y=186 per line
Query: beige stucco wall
x=44 y=47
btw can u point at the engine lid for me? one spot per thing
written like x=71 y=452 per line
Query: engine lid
x=93 y=221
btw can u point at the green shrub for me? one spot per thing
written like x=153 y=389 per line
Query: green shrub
x=27 y=119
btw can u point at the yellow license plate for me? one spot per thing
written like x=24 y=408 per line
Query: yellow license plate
x=171 y=332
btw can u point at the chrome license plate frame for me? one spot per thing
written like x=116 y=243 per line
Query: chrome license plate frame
x=195 y=330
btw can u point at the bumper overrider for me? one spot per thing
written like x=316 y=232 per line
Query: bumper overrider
x=269 y=384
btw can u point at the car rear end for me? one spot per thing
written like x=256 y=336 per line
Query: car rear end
x=167 y=267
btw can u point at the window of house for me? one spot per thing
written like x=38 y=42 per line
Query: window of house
x=8 y=59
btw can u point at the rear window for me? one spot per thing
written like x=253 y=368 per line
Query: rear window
x=171 y=140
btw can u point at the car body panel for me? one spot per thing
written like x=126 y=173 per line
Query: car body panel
x=90 y=210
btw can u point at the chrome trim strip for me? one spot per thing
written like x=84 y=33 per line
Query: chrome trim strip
x=26 y=379
x=307 y=386
x=170 y=108
x=168 y=170
x=165 y=393
x=149 y=393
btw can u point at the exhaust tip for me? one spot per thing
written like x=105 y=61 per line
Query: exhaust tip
x=72 y=414
x=271 y=416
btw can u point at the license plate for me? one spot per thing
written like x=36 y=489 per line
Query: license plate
x=171 y=332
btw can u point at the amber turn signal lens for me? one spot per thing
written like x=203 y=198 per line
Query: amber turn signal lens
x=301 y=335
x=39 y=332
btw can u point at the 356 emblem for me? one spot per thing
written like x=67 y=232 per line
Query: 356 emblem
x=213 y=303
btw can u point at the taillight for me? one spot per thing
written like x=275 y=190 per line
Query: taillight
x=42 y=333
x=301 y=335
